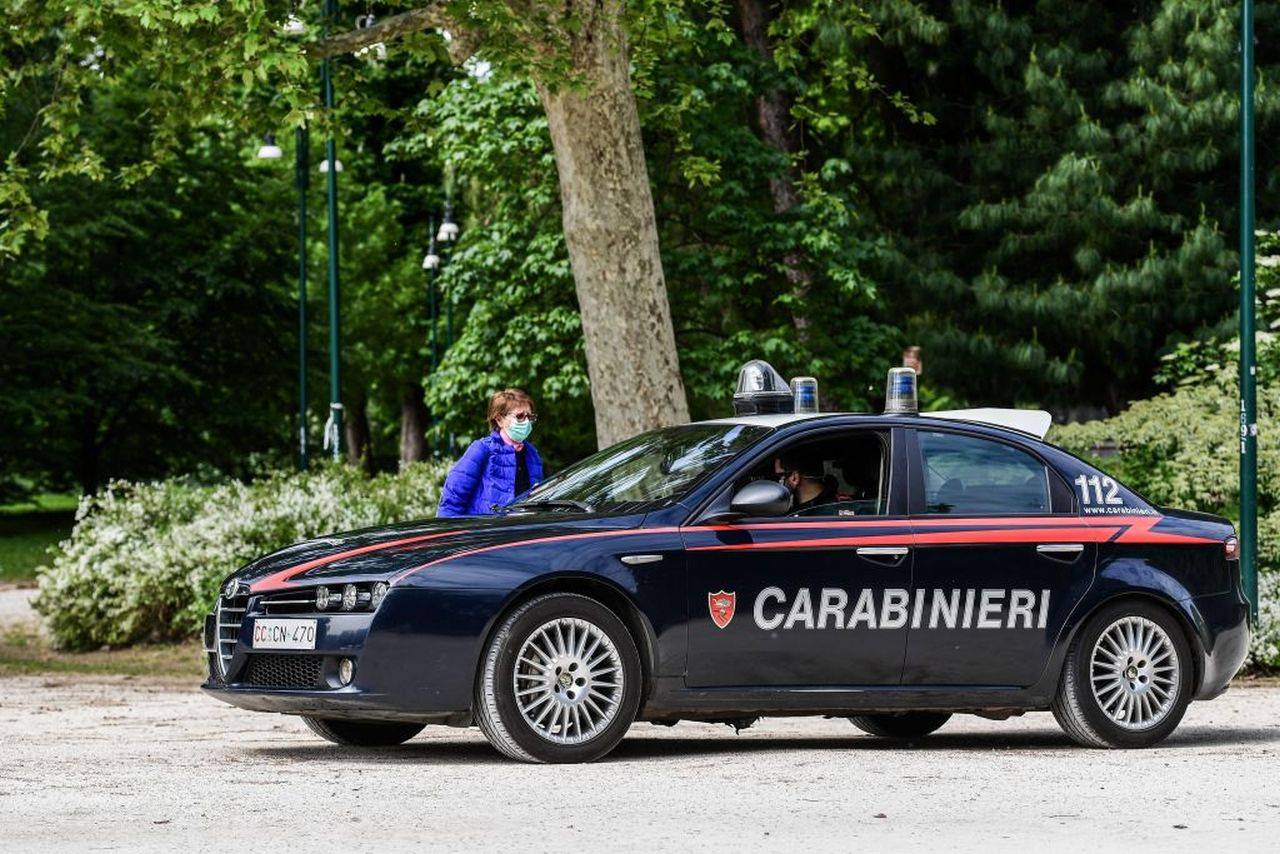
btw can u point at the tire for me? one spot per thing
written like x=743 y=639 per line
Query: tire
x=1097 y=718
x=553 y=721
x=363 y=733
x=905 y=725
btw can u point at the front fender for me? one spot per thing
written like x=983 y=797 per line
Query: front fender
x=444 y=615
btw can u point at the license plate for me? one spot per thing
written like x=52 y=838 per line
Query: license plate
x=284 y=634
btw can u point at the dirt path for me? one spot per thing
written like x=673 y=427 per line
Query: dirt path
x=119 y=763
x=15 y=607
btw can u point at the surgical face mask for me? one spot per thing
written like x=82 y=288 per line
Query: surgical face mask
x=518 y=431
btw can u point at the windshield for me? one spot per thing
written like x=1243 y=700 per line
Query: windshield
x=648 y=471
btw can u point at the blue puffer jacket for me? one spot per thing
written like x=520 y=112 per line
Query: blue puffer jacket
x=485 y=478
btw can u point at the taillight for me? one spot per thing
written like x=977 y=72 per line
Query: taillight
x=1231 y=547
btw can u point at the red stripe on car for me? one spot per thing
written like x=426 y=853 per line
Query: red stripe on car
x=534 y=541
x=277 y=581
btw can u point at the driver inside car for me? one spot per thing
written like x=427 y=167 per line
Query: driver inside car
x=805 y=476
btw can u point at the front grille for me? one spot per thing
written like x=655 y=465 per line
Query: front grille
x=229 y=615
x=268 y=670
x=302 y=600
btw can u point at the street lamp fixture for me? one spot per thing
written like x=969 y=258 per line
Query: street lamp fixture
x=448 y=228
x=269 y=150
x=378 y=51
x=324 y=166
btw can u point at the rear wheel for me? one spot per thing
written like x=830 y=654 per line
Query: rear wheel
x=905 y=725
x=559 y=682
x=363 y=733
x=1127 y=679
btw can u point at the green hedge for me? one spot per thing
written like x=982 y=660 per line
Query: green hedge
x=144 y=560
x=1182 y=450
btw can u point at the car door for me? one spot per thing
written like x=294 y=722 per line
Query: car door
x=1001 y=559
x=801 y=600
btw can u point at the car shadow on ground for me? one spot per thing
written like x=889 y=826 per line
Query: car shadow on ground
x=639 y=745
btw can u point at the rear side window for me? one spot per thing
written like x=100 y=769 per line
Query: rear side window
x=964 y=475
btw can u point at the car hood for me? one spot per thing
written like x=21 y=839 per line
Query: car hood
x=386 y=552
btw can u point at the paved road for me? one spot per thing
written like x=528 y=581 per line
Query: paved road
x=113 y=763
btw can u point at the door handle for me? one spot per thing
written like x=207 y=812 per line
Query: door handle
x=635 y=560
x=1060 y=548
x=887 y=555
x=882 y=551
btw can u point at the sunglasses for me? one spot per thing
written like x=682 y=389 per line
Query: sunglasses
x=524 y=416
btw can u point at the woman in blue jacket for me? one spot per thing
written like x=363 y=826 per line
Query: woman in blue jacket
x=497 y=468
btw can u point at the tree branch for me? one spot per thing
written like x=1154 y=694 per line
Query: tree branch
x=432 y=16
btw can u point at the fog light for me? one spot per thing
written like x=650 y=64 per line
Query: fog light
x=322 y=598
x=379 y=593
x=349 y=597
x=346 y=670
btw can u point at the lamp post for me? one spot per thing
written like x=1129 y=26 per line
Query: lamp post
x=447 y=234
x=333 y=426
x=302 y=142
x=270 y=151
x=431 y=263
x=1248 y=353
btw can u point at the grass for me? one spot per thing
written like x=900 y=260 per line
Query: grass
x=44 y=502
x=28 y=529
x=22 y=553
x=23 y=651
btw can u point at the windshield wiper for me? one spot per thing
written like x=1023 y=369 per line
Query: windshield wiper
x=556 y=504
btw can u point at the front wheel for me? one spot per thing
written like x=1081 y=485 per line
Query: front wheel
x=1127 y=678
x=905 y=725
x=362 y=733
x=559 y=682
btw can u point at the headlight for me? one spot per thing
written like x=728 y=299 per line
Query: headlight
x=322 y=598
x=379 y=593
x=346 y=671
x=349 y=597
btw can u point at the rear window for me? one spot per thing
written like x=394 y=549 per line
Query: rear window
x=964 y=475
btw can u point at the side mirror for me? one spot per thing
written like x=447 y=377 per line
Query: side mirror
x=761 y=498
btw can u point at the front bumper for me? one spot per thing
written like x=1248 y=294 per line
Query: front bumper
x=406 y=667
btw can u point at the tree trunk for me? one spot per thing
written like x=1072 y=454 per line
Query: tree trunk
x=413 y=425
x=773 y=123
x=611 y=233
x=356 y=427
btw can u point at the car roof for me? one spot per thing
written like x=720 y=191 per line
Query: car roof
x=1032 y=423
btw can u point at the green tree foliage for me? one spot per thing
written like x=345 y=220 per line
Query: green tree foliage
x=145 y=333
x=1068 y=217
x=1190 y=361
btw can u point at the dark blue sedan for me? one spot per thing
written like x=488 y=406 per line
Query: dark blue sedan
x=891 y=569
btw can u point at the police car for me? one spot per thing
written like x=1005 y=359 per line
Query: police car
x=894 y=569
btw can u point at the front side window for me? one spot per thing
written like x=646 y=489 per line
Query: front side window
x=964 y=475
x=647 y=471
x=838 y=476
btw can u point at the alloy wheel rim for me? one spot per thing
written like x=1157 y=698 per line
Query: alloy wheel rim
x=1134 y=673
x=568 y=680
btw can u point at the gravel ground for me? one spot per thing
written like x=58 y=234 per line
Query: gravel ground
x=118 y=763
x=15 y=606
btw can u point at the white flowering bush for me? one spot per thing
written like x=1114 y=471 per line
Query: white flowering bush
x=1182 y=450
x=144 y=560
